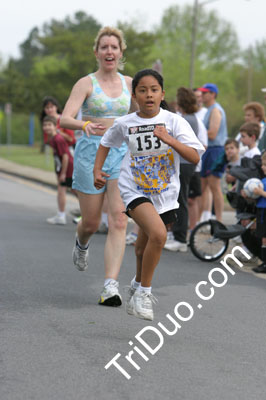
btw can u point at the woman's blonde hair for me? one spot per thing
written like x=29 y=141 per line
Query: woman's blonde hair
x=109 y=31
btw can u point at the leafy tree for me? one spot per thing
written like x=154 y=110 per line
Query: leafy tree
x=139 y=44
x=217 y=46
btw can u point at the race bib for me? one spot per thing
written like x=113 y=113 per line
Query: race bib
x=142 y=142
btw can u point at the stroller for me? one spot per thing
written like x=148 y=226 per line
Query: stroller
x=209 y=240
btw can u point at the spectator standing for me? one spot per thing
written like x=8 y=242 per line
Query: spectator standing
x=189 y=179
x=63 y=162
x=201 y=109
x=216 y=125
x=253 y=112
x=51 y=107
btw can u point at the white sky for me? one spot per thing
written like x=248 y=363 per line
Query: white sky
x=18 y=17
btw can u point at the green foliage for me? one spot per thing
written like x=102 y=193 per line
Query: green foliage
x=30 y=156
x=19 y=129
x=138 y=53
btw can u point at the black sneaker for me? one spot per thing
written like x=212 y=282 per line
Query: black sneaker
x=261 y=269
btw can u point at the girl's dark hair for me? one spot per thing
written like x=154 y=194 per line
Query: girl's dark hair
x=186 y=99
x=156 y=75
x=47 y=100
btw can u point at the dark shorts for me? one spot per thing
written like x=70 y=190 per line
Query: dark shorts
x=194 y=186
x=261 y=223
x=68 y=182
x=168 y=217
x=208 y=158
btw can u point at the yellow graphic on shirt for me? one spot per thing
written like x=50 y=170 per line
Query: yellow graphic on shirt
x=152 y=173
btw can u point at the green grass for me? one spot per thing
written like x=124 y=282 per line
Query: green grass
x=28 y=155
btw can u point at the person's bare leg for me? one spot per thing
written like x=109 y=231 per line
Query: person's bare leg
x=205 y=200
x=151 y=239
x=193 y=211
x=61 y=197
x=117 y=224
x=141 y=243
x=218 y=198
x=91 y=209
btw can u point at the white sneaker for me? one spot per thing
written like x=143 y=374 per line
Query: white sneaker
x=56 y=220
x=131 y=238
x=129 y=306
x=110 y=295
x=80 y=257
x=175 y=245
x=143 y=305
x=170 y=239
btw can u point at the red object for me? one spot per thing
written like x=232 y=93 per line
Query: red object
x=60 y=148
x=69 y=132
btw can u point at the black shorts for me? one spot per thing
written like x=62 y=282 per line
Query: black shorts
x=261 y=223
x=194 y=186
x=67 y=182
x=168 y=217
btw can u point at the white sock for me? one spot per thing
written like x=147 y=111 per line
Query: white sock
x=83 y=246
x=144 y=289
x=61 y=214
x=134 y=283
x=104 y=218
x=107 y=281
x=205 y=216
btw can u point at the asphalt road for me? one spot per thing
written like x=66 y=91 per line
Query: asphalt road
x=55 y=340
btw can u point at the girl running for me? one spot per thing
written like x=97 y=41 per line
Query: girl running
x=149 y=177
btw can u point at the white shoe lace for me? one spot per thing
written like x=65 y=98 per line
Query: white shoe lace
x=82 y=254
x=147 y=299
x=112 y=287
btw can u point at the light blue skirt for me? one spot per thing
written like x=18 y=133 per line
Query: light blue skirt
x=84 y=159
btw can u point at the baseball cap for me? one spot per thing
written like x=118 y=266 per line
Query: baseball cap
x=263 y=89
x=209 y=87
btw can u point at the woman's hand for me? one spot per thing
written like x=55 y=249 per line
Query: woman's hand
x=90 y=129
x=99 y=178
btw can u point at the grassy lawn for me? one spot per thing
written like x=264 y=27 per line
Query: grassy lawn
x=29 y=155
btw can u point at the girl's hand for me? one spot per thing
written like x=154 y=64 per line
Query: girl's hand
x=99 y=180
x=161 y=133
x=90 y=129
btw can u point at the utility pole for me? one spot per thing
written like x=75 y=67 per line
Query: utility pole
x=193 y=44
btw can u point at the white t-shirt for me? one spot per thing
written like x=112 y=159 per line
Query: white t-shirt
x=203 y=138
x=252 y=152
x=201 y=113
x=150 y=167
